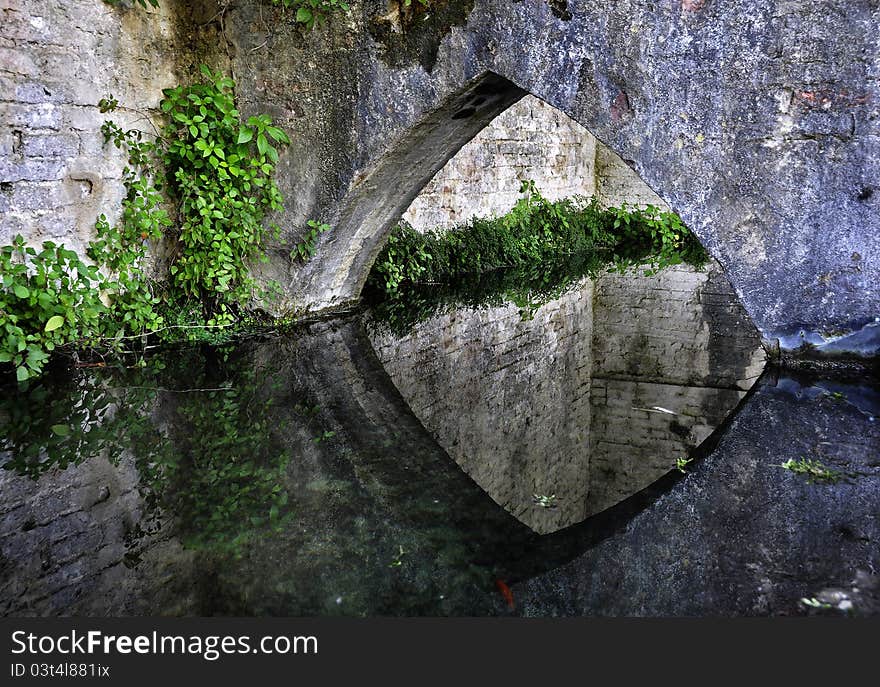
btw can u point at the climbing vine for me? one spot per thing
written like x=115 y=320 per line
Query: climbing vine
x=216 y=171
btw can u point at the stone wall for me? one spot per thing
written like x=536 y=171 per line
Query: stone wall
x=530 y=140
x=756 y=122
x=58 y=60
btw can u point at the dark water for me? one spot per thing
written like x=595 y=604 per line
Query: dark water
x=300 y=475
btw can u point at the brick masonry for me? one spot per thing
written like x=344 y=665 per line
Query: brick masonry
x=57 y=60
x=530 y=140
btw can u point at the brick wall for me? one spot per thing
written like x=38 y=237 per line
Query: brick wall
x=530 y=140
x=56 y=61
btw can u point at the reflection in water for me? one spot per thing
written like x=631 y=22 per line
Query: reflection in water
x=289 y=477
x=743 y=535
x=590 y=398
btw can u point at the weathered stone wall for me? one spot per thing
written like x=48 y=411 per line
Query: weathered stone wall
x=58 y=60
x=530 y=140
x=757 y=122
x=617 y=183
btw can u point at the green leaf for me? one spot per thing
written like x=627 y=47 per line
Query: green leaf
x=21 y=373
x=21 y=291
x=61 y=430
x=262 y=144
x=245 y=135
x=53 y=323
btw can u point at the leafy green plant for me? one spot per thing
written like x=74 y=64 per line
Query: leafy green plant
x=814 y=470
x=536 y=231
x=682 y=462
x=47 y=299
x=311 y=12
x=220 y=171
x=217 y=172
x=305 y=249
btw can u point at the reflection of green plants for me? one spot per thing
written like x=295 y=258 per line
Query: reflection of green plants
x=813 y=602
x=51 y=426
x=208 y=463
x=324 y=437
x=227 y=483
x=529 y=287
x=47 y=299
x=814 y=470
x=682 y=462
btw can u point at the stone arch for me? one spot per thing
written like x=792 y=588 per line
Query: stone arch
x=380 y=196
x=757 y=124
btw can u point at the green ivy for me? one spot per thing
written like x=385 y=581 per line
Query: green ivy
x=311 y=12
x=305 y=249
x=220 y=172
x=47 y=299
x=217 y=172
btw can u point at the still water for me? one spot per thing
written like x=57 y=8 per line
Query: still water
x=357 y=467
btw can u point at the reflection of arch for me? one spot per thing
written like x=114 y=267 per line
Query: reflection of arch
x=377 y=200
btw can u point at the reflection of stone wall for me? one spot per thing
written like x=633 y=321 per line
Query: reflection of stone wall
x=680 y=326
x=507 y=398
x=567 y=404
x=631 y=443
x=63 y=546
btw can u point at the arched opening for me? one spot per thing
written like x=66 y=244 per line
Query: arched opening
x=378 y=198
